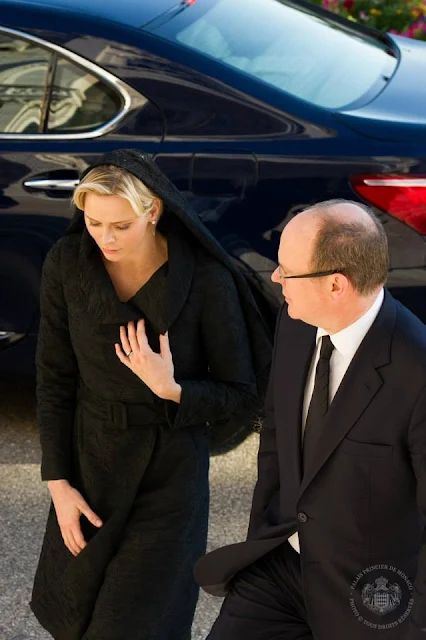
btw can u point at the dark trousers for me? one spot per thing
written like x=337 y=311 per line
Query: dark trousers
x=266 y=601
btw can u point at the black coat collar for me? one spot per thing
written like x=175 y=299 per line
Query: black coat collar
x=176 y=208
x=172 y=288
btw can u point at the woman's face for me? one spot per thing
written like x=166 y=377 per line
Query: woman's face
x=114 y=226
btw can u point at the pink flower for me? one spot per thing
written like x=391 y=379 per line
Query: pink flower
x=414 y=30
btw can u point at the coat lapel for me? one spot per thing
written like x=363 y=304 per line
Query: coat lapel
x=181 y=272
x=296 y=349
x=100 y=296
x=360 y=384
x=97 y=288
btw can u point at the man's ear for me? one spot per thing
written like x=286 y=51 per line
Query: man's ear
x=339 y=285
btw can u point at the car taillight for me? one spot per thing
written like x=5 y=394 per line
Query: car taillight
x=402 y=196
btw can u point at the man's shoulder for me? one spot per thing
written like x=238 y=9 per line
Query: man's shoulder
x=408 y=349
x=410 y=333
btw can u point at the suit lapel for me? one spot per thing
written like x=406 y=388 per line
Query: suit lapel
x=354 y=395
x=296 y=349
x=360 y=384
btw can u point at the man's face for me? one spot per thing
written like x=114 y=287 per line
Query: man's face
x=306 y=298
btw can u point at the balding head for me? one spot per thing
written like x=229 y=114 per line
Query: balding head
x=340 y=211
x=332 y=263
x=347 y=236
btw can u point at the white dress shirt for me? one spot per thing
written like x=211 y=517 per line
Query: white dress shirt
x=346 y=343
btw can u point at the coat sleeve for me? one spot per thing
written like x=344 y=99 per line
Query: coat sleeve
x=416 y=628
x=268 y=481
x=57 y=373
x=231 y=384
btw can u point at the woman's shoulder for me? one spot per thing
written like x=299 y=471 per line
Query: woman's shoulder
x=64 y=249
x=212 y=269
x=61 y=260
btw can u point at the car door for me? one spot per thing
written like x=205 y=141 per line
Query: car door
x=58 y=112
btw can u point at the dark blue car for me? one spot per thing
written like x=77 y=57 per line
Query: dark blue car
x=254 y=108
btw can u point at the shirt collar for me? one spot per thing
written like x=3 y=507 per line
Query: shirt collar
x=347 y=341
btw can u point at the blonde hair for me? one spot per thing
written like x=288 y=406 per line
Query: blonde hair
x=108 y=180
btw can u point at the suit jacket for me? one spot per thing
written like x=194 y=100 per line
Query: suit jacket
x=360 y=508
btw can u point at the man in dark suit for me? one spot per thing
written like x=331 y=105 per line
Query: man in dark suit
x=336 y=548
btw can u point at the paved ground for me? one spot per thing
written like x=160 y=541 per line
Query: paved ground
x=24 y=503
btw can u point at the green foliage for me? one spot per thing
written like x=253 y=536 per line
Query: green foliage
x=404 y=17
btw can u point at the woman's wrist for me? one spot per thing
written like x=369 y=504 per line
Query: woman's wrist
x=174 y=393
x=57 y=484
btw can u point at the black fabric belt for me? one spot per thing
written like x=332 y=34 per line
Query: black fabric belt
x=121 y=414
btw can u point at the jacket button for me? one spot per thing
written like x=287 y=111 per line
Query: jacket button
x=302 y=517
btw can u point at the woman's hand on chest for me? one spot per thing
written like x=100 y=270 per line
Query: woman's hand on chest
x=156 y=370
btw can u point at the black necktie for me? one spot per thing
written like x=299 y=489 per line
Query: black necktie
x=319 y=401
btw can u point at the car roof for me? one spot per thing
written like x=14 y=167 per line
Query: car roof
x=127 y=12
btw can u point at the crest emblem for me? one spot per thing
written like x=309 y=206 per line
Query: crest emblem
x=381 y=597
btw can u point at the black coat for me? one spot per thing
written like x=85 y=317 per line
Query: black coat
x=140 y=462
x=360 y=509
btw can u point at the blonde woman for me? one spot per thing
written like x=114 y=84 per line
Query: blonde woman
x=148 y=333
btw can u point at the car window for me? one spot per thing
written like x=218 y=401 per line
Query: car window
x=80 y=101
x=75 y=101
x=23 y=76
x=296 y=50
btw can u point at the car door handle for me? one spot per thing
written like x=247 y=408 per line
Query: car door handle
x=54 y=185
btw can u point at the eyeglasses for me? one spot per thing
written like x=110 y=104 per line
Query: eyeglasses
x=316 y=274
